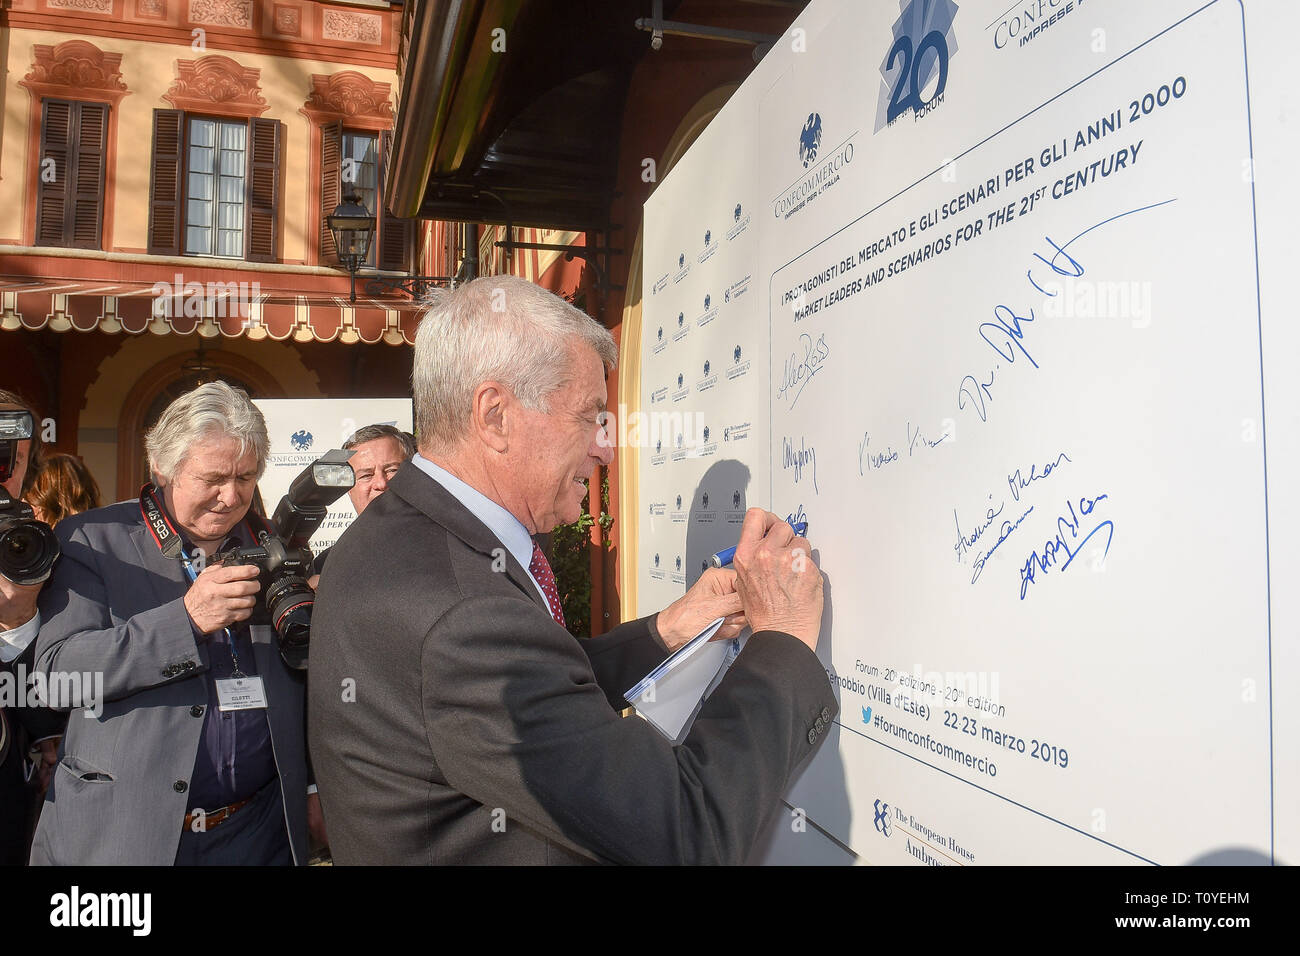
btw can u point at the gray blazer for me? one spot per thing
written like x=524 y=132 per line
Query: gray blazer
x=115 y=605
x=452 y=720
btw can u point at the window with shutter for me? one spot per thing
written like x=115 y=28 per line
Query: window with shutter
x=353 y=161
x=165 y=183
x=394 y=232
x=331 y=147
x=70 y=174
x=263 y=188
x=359 y=175
x=215 y=189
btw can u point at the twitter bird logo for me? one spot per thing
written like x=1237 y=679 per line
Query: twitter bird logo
x=866 y=716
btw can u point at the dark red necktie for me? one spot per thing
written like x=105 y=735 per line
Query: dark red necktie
x=541 y=572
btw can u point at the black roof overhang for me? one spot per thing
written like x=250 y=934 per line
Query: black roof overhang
x=528 y=136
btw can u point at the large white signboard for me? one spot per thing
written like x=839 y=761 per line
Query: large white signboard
x=1018 y=347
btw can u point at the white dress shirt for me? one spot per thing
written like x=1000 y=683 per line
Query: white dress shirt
x=13 y=643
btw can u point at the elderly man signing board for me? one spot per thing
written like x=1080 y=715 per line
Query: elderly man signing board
x=453 y=718
x=163 y=762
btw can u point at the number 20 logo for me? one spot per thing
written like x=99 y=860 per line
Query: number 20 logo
x=907 y=88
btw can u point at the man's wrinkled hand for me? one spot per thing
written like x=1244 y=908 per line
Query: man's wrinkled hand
x=222 y=596
x=780 y=584
x=713 y=596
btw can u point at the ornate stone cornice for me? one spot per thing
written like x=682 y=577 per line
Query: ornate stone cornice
x=216 y=83
x=76 y=69
x=351 y=98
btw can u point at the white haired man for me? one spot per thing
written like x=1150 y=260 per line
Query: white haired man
x=191 y=748
x=481 y=731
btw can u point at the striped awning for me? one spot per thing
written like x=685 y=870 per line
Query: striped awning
x=217 y=309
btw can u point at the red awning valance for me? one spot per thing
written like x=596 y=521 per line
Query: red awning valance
x=225 y=309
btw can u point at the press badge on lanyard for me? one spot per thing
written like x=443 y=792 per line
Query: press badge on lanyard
x=241 y=693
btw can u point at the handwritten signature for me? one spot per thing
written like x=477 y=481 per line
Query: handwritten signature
x=1040 y=561
x=799 y=459
x=1007 y=328
x=917 y=439
x=967 y=541
x=1018 y=481
x=799 y=372
x=977 y=567
x=876 y=459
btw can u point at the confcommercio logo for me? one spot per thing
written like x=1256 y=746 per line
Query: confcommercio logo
x=914 y=73
x=1026 y=21
x=823 y=166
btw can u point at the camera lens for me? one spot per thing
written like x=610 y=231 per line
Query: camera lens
x=28 y=550
x=289 y=603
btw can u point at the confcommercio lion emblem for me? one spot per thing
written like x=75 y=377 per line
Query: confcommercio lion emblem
x=810 y=139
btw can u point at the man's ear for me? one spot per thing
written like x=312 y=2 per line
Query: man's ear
x=492 y=413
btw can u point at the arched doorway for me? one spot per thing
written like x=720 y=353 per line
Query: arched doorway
x=161 y=385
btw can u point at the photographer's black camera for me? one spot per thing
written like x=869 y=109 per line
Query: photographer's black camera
x=28 y=548
x=284 y=559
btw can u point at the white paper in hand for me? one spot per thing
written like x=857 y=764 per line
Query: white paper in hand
x=671 y=693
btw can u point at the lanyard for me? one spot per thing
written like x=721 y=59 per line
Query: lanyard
x=172 y=546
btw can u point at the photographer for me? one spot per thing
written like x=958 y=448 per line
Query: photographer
x=191 y=747
x=19 y=624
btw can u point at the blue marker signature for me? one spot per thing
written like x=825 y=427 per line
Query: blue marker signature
x=1018 y=481
x=877 y=459
x=1005 y=532
x=980 y=393
x=915 y=438
x=1071 y=267
x=1007 y=327
x=1013 y=333
x=799 y=459
x=966 y=541
x=1050 y=555
x=799 y=372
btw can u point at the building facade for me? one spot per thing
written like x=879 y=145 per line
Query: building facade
x=165 y=170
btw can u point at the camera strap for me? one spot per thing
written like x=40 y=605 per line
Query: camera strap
x=160 y=526
x=165 y=535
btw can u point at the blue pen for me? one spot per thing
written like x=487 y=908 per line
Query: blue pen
x=725 y=557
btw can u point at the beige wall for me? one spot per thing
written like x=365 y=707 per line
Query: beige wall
x=149 y=69
x=120 y=373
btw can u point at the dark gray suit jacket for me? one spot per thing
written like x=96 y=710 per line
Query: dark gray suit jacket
x=453 y=721
x=115 y=605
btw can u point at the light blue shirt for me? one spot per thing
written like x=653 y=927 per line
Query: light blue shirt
x=507 y=528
